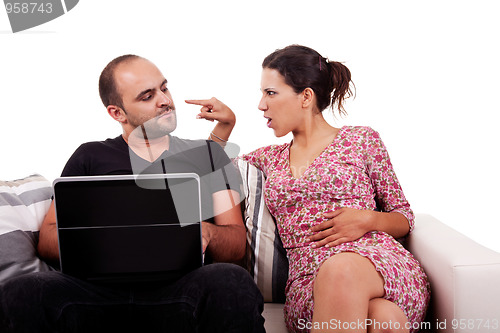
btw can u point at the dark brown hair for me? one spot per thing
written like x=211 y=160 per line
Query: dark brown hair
x=107 y=85
x=303 y=67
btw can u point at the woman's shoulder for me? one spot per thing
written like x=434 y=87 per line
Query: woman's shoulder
x=270 y=150
x=265 y=156
x=360 y=131
x=360 y=136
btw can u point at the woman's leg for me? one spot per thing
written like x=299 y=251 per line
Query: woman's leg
x=343 y=289
x=385 y=316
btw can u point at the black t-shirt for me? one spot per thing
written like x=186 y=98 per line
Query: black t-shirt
x=205 y=158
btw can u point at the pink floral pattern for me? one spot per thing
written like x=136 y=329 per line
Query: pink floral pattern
x=353 y=171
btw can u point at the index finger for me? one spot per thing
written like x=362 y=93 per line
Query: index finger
x=202 y=102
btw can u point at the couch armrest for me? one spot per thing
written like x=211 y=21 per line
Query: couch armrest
x=464 y=277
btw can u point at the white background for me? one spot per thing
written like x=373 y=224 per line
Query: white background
x=427 y=75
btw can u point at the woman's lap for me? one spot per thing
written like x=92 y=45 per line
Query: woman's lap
x=405 y=281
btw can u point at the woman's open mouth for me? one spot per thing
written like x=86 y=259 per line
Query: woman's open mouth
x=269 y=120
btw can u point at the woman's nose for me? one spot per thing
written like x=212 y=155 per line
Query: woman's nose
x=262 y=104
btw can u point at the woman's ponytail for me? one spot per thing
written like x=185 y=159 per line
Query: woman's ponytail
x=340 y=83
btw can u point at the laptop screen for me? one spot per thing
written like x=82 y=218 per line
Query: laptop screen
x=125 y=228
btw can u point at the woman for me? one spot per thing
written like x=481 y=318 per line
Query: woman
x=338 y=205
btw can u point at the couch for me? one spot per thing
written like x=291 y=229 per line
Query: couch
x=464 y=275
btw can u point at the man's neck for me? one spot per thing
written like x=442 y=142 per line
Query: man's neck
x=148 y=148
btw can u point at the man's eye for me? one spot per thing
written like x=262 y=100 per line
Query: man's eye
x=165 y=89
x=147 y=98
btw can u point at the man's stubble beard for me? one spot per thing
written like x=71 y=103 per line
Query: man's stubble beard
x=155 y=127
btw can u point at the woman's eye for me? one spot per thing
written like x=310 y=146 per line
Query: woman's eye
x=271 y=93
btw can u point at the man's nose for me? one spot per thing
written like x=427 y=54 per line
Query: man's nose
x=164 y=100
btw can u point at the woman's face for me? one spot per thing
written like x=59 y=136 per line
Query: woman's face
x=281 y=105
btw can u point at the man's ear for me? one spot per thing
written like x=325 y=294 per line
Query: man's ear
x=307 y=97
x=117 y=113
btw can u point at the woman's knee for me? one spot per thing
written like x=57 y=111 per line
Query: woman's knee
x=347 y=269
x=339 y=268
x=348 y=272
x=385 y=316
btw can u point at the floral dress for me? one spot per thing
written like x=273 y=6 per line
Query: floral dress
x=353 y=171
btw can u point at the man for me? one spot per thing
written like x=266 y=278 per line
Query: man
x=219 y=297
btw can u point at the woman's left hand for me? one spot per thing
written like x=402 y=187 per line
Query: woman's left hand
x=343 y=225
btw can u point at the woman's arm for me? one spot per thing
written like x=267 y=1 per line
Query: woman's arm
x=389 y=195
x=395 y=216
x=348 y=224
x=213 y=109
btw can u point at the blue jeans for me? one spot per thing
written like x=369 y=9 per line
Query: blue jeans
x=214 y=298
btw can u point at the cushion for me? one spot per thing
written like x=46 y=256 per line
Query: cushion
x=266 y=258
x=23 y=205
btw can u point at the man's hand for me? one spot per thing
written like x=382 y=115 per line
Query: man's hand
x=343 y=225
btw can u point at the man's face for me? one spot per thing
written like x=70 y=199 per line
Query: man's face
x=146 y=98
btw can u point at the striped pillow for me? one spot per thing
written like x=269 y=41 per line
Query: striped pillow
x=23 y=205
x=266 y=258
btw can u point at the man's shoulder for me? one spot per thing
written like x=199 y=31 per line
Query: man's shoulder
x=188 y=143
x=204 y=153
x=92 y=158
x=101 y=150
x=111 y=143
x=195 y=147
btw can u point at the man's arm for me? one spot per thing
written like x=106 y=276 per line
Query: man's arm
x=48 y=246
x=225 y=240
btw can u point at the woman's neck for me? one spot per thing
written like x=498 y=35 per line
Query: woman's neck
x=314 y=131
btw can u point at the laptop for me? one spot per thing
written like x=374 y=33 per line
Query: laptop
x=129 y=228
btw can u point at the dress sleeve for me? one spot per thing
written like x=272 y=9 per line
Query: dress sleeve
x=388 y=192
x=260 y=158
